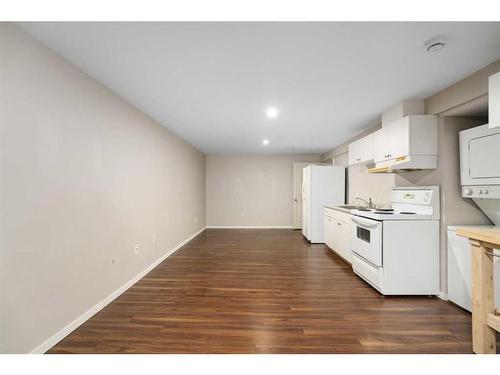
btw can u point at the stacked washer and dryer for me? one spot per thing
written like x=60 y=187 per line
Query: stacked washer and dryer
x=480 y=180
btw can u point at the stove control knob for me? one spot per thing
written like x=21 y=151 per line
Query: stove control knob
x=468 y=191
x=485 y=191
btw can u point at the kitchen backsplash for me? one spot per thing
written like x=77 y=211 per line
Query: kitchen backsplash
x=364 y=185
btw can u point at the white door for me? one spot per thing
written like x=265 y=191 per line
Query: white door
x=297 y=193
x=305 y=202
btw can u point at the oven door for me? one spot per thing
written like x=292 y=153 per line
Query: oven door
x=366 y=239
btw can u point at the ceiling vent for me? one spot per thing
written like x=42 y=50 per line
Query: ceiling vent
x=435 y=45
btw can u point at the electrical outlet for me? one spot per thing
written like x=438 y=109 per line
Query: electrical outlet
x=136 y=249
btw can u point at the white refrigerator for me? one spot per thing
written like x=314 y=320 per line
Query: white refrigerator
x=321 y=184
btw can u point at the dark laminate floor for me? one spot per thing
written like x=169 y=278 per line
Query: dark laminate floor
x=265 y=291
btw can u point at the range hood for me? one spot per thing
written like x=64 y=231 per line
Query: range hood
x=408 y=144
x=405 y=164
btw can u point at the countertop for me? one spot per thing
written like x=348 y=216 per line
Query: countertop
x=491 y=236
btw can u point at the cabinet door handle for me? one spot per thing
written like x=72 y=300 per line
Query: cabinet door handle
x=339 y=223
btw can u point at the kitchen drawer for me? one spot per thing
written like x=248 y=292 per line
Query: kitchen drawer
x=329 y=211
x=368 y=272
x=341 y=216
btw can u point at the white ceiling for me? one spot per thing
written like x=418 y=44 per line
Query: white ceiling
x=210 y=83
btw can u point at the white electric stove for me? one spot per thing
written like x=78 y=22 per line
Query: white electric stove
x=396 y=250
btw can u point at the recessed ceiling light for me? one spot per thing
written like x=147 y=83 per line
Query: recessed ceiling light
x=265 y=142
x=272 y=112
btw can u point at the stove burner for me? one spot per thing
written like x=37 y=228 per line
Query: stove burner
x=407 y=213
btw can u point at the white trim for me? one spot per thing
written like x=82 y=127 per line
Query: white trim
x=443 y=296
x=51 y=341
x=249 y=227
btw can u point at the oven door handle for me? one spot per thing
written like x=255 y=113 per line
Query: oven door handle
x=364 y=224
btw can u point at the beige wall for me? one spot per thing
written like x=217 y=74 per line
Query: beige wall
x=470 y=89
x=251 y=191
x=83 y=178
x=365 y=185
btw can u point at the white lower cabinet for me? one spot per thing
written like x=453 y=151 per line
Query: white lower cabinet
x=327 y=231
x=459 y=269
x=338 y=233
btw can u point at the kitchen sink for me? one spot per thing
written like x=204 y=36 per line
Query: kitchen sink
x=350 y=207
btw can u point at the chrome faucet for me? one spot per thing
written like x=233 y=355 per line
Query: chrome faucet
x=368 y=202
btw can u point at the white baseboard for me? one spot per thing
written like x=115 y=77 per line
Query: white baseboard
x=51 y=341
x=443 y=296
x=249 y=227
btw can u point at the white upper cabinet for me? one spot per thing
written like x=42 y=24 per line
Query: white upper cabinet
x=381 y=145
x=399 y=138
x=361 y=151
x=494 y=101
x=414 y=135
